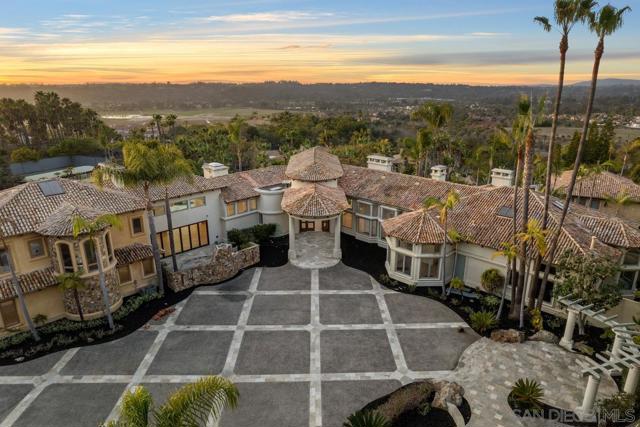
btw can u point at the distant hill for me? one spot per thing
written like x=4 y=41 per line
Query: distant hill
x=610 y=83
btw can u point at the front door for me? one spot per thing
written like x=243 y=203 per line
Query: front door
x=326 y=226
x=307 y=226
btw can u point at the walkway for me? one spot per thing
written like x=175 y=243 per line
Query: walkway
x=305 y=347
x=314 y=249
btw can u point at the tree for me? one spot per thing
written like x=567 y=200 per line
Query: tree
x=621 y=199
x=510 y=252
x=603 y=23
x=239 y=142
x=445 y=206
x=72 y=281
x=172 y=165
x=4 y=222
x=170 y=122
x=199 y=404
x=92 y=228
x=141 y=168
x=534 y=235
x=157 y=122
x=436 y=117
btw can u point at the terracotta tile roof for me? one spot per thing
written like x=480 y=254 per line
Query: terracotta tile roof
x=395 y=189
x=25 y=206
x=60 y=222
x=263 y=177
x=29 y=282
x=599 y=186
x=181 y=187
x=314 y=165
x=419 y=226
x=132 y=253
x=485 y=219
x=314 y=201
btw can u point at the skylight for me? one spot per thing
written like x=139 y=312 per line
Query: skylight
x=506 y=211
x=50 y=188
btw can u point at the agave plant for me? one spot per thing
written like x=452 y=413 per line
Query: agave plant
x=367 y=419
x=526 y=394
x=482 y=321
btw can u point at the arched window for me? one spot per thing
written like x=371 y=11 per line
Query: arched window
x=109 y=246
x=90 y=255
x=66 y=258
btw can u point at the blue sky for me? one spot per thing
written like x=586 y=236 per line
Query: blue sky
x=478 y=42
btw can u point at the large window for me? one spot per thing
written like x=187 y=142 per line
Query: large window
x=124 y=274
x=231 y=209
x=179 y=206
x=4 y=261
x=403 y=264
x=109 y=246
x=364 y=208
x=90 y=254
x=429 y=268
x=197 y=202
x=36 y=248
x=185 y=238
x=405 y=245
x=242 y=207
x=66 y=257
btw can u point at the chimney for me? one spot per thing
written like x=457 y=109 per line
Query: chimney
x=214 y=169
x=439 y=172
x=380 y=163
x=501 y=177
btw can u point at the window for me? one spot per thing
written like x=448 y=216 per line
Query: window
x=386 y=213
x=506 y=211
x=66 y=258
x=364 y=226
x=185 y=238
x=197 y=202
x=9 y=313
x=405 y=245
x=628 y=280
x=107 y=244
x=429 y=268
x=253 y=204
x=431 y=249
x=90 y=254
x=137 y=226
x=179 y=206
x=158 y=210
x=403 y=264
x=242 y=206
x=231 y=209
x=595 y=204
x=364 y=208
x=148 y=267
x=4 y=261
x=124 y=274
x=36 y=248
x=632 y=257
x=347 y=220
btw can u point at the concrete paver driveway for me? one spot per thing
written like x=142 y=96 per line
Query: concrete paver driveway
x=305 y=347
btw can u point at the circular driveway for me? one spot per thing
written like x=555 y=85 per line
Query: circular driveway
x=305 y=347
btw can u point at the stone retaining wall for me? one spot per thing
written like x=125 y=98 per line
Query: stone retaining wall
x=91 y=296
x=224 y=264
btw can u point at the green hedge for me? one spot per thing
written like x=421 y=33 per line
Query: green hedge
x=258 y=233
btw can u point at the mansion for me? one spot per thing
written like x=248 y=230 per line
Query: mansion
x=313 y=199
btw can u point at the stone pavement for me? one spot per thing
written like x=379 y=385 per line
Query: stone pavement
x=487 y=370
x=305 y=347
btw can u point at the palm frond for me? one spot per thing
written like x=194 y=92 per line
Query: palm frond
x=136 y=406
x=544 y=22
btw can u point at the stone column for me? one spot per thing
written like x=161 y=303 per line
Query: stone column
x=631 y=383
x=337 y=252
x=292 y=238
x=585 y=411
x=567 y=339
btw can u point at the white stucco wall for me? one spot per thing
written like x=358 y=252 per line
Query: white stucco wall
x=477 y=260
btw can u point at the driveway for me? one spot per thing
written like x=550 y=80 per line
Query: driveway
x=305 y=347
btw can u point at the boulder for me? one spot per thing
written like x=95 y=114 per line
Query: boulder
x=544 y=336
x=447 y=392
x=507 y=336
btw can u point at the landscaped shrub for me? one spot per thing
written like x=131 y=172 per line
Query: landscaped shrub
x=239 y=238
x=366 y=419
x=257 y=233
x=526 y=394
x=491 y=280
x=24 y=154
x=406 y=399
x=490 y=302
x=482 y=321
x=262 y=232
x=620 y=404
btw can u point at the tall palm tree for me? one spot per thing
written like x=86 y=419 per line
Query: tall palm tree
x=141 y=169
x=510 y=252
x=172 y=165
x=92 y=228
x=72 y=281
x=533 y=235
x=199 y=404
x=436 y=117
x=239 y=143
x=603 y=23
x=170 y=122
x=450 y=202
x=157 y=121
x=16 y=282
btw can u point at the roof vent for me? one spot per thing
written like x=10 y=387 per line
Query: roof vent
x=50 y=188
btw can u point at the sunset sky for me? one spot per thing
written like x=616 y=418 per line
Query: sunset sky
x=440 y=41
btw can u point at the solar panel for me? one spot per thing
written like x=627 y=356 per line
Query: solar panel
x=50 y=188
x=506 y=211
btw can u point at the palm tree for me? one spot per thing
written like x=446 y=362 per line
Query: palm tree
x=141 y=168
x=595 y=171
x=199 y=404
x=92 y=228
x=72 y=281
x=436 y=117
x=157 y=121
x=170 y=122
x=15 y=282
x=510 y=252
x=534 y=235
x=445 y=206
x=603 y=23
x=238 y=139
x=566 y=14
x=172 y=165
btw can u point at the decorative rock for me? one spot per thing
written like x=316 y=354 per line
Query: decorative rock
x=447 y=392
x=544 y=336
x=507 y=336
